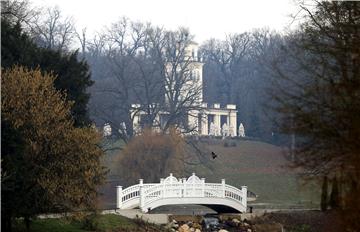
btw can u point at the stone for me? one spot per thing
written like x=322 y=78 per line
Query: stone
x=171 y=225
x=222 y=230
x=192 y=229
x=236 y=221
x=197 y=230
x=197 y=226
x=184 y=228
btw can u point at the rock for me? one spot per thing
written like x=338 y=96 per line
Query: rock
x=249 y=230
x=235 y=222
x=192 y=229
x=184 y=228
x=197 y=230
x=197 y=226
x=222 y=230
x=172 y=225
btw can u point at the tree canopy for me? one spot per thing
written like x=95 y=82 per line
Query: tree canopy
x=48 y=165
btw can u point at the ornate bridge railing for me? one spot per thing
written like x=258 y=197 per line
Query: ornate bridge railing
x=181 y=191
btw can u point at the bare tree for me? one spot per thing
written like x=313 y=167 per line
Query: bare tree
x=51 y=30
x=228 y=56
x=19 y=11
x=317 y=93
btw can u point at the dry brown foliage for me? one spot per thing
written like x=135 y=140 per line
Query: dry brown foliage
x=151 y=156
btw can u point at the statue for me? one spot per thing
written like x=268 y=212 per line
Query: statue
x=241 y=130
x=212 y=130
x=107 y=130
x=217 y=130
x=231 y=131
x=225 y=130
x=122 y=128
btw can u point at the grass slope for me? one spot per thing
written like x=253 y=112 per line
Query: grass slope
x=108 y=223
x=263 y=168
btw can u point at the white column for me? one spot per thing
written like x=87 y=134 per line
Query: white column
x=244 y=195
x=223 y=187
x=205 y=126
x=217 y=121
x=193 y=187
x=203 y=187
x=142 y=197
x=233 y=122
x=119 y=197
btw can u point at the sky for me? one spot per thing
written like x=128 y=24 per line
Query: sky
x=205 y=18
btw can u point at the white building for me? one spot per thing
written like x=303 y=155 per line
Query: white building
x=207 y=119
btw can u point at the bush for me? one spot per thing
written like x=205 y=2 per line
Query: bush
x=91 y=222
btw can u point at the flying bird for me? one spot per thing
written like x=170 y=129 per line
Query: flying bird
x=213 y=155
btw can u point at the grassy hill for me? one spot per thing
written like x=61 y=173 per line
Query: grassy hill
x=260 y=166
x=263 y=168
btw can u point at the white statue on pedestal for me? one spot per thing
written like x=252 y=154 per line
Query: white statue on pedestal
x=241 y=130
x=122 y=128
x=231 y=131
x=217 y=130
x=212 y=131
x=107 y=130
x=225 y=130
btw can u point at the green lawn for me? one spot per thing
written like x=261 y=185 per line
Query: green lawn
x=104 y=223
x=263 y=168
x=52 y=224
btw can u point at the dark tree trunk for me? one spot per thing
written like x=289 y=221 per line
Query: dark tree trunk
x=324 y=194
x=334 y=195
x=27 y=223
x=6 y=221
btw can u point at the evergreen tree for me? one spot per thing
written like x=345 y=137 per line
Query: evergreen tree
x=73 y=76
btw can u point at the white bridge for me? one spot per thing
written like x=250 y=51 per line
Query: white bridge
x=171 y=191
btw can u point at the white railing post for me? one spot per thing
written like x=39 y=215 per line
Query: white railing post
x=170 y=187
x=244 y=195
x=193 y=186
x=118 y=197
x=223 y=187
x=163 y=187
x=203 y=187
x=184 y=186
x=142 y=197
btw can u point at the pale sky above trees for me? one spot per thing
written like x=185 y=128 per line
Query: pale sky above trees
x=205 y=18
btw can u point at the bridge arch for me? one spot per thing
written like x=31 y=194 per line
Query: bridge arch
x=174 y=191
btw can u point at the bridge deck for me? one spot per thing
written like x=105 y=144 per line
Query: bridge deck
x=171 y=191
